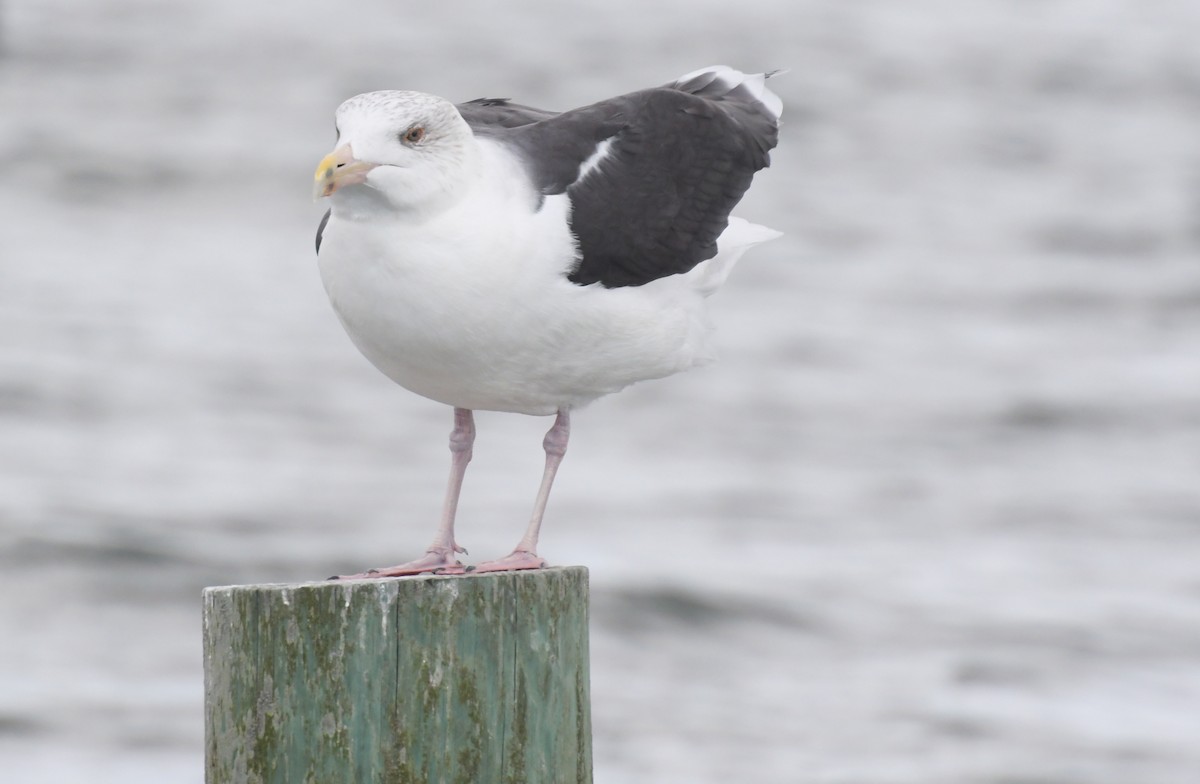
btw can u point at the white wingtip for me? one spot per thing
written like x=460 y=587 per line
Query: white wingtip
x=723 y=80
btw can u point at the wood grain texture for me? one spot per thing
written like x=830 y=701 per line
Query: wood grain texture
x=478 y=678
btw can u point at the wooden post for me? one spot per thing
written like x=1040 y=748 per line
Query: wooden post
x=481 y=679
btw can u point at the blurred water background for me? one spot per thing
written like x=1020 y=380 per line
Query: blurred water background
x=934 y=517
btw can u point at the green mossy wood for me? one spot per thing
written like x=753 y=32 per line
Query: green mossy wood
x=478 y=679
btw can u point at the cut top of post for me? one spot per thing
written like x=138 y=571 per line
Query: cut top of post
x=423 y=679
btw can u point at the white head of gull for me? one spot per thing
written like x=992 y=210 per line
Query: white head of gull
x=499 y=257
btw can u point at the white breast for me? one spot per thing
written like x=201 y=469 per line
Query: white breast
x=472 y=307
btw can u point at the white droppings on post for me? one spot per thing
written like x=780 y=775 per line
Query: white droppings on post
x=384 y=594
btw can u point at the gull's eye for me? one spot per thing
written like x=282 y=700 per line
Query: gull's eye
x=413 y=135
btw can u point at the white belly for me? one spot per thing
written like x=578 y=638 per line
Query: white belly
x=486 y=319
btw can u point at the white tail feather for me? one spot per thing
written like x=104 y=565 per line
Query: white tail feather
x=738 y=237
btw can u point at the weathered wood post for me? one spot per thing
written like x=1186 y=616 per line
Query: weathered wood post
x=480 y=679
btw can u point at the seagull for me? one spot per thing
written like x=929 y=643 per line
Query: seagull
x=493 y=256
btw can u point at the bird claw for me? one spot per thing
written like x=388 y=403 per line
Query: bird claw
x=434 y=562
x=516 y=560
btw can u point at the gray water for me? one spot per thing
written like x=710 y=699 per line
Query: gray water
x=934 y=517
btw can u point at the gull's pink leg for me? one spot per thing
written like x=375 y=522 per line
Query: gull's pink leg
x=440 y=557
x=525 y=555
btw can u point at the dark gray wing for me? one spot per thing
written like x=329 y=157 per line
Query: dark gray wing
x=677 y=162
x=500 y=113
